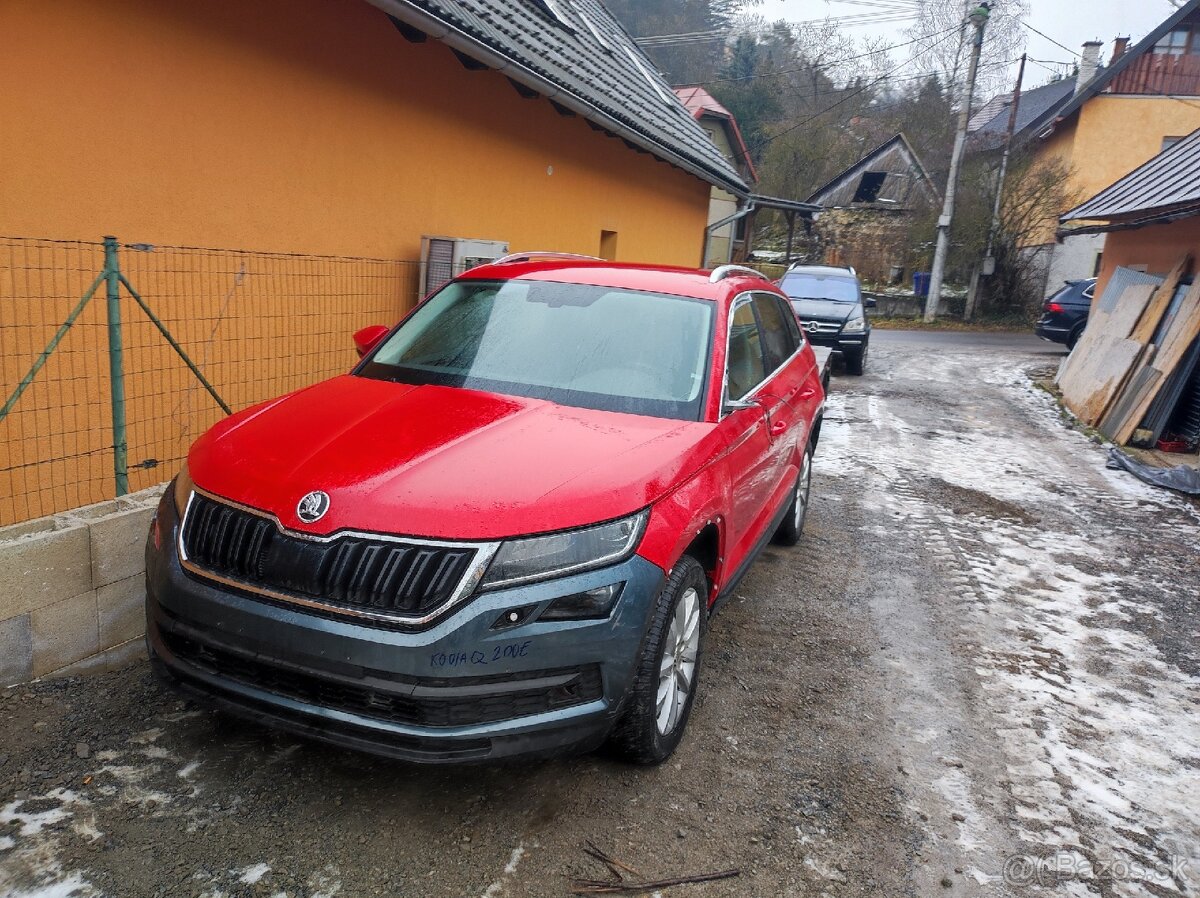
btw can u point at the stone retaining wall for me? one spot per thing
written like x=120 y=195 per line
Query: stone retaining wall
x=72 y=589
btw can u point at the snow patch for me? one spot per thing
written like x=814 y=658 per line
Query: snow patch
x=252 y=874
x=73 y=886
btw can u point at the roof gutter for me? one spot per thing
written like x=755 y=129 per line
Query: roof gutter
x=1190 y=211
x=465 y=43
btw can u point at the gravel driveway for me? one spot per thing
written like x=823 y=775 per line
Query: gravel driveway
x=984 y=653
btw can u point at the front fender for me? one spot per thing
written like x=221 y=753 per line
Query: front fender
x=677 y=519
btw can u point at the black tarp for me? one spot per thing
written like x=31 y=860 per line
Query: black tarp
x=1184 y=478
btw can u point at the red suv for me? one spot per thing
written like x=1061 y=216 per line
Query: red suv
x=504 y=531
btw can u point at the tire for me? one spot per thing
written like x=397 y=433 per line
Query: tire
x=856 y=362
x=681 y=610
x=788 y=532
x=1076 y=333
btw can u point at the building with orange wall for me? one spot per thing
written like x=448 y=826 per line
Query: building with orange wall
x=1120 y=116
x=347 y=127
x=1151 y=216
x=313 y=144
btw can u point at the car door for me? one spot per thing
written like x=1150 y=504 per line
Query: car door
x=749 y=458
x=786 y=395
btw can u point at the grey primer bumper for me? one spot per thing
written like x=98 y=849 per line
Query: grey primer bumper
x=456 y=691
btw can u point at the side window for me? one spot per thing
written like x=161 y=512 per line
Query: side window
x=793 y=325
x=744 y=363
x=778 y=344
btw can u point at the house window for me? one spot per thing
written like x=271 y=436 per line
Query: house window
x=869 y=187
x=1173 y=43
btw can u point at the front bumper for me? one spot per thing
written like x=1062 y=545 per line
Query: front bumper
x=1051 y=330
x=847 y=343
x=456 y=691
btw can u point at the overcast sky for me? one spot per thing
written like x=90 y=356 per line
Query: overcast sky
x=1070 y=22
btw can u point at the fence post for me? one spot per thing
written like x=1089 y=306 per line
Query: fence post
x=116 y=364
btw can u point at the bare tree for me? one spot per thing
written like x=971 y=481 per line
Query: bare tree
x=1035 y=193
x=939 y=32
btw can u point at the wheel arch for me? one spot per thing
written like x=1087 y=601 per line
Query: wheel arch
x=705 y=547
x=815 y=434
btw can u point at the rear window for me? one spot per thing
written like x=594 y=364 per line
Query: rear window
x=833 y=287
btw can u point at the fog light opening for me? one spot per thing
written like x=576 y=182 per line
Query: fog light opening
x=594 y=604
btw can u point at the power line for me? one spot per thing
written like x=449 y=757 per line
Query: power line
x=839 y=62
x=846 y=99
x=916 y=76
x=671 y=40
x=880 y=17
x=1049 y=38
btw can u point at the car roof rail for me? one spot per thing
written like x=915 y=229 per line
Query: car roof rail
x=535 y=255
x=795 y=265
x=725 y=271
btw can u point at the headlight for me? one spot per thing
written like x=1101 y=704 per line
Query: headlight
x=570 y=552
x=183 y=489
x=856 y=325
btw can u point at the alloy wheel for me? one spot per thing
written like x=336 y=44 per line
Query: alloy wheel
x=677 y=670
x=802 y=484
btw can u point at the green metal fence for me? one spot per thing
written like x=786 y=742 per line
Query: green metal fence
x=114 y=357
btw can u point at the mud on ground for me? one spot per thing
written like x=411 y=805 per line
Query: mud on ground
x=980 y=651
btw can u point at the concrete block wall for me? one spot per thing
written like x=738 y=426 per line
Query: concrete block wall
x=72 y=589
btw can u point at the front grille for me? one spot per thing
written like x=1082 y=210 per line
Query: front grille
x=351 y=571
x=481 y=699
x=822 y=327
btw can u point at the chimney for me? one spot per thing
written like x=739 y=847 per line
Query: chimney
x=1087 y=64
x=1119 y=46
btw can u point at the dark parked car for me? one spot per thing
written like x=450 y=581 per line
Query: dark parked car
x=830 y=308
x=1065 y=314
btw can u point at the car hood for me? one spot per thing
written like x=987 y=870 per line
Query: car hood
x=444 y=462
x=823 y=308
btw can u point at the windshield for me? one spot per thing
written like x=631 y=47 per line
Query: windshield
x=591 y=347
x=836 y=288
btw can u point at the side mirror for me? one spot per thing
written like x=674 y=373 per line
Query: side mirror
x=736 y=405
x=869 y=302
x=368 y=338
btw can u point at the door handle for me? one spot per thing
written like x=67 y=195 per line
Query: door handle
x=807 y=393
x=778 y=428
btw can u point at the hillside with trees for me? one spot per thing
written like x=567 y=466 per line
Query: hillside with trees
x=813 y=97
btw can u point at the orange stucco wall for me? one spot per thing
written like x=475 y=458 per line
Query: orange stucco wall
x=1116 y=134
x=1110 y=137
x=282 y=127
x=303 y=126
x=1157 y=248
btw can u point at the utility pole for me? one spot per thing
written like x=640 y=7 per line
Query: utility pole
x=989 y=261
x=978 y=18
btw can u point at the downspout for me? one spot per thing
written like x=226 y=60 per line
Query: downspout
x=742 y=212
x=459 y=40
